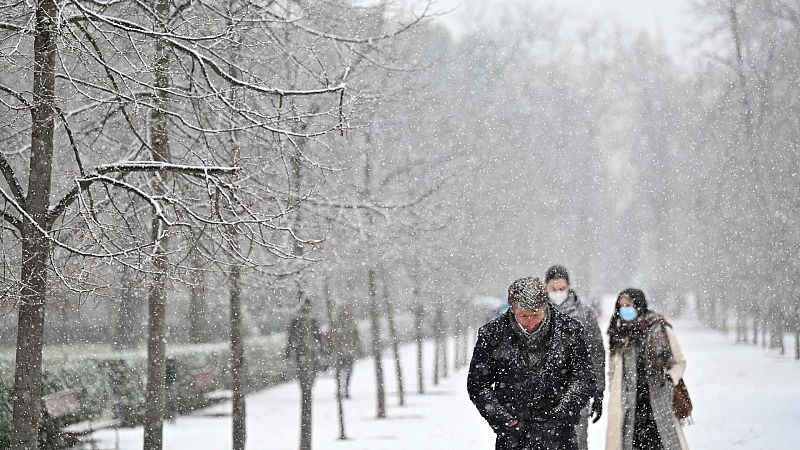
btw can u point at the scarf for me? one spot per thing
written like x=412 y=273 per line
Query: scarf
x=535 y=343
x=647 y=334
x=570 y=305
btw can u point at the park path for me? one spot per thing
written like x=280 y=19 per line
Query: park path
x=745 y=398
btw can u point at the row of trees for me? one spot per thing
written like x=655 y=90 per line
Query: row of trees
x=153 y=142
x=750 y=153
x=219 y=151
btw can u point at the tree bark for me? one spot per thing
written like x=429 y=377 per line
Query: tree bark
x=755 y=328
x=156 y=339
x=198 y=323
x=306 y=368
x=419 y=312
x=445 y=341
x=437 y=356
x=375 y=332
x=128 y=315
x=796 y=331
x=457 y=341
x=238 y=369
x=35 y=247
x=335 y=325
x=398 y=369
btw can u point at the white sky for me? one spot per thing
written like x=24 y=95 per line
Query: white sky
x=671 y=19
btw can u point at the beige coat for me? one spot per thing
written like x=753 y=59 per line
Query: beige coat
x=675 y=371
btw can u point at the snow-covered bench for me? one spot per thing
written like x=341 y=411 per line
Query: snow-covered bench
x=67 y=402
x=203 y=379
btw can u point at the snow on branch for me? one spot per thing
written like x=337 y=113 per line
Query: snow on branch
x=352 y=40
x=11 y=179
x=159 y=166
x=123 y=167
x=173 y=41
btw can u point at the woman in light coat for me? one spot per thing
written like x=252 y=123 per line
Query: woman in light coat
x=645 y=363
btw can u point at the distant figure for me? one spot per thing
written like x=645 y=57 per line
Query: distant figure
x=346 y=345
x=530 y=373
x=325 y=348
x=303 y=343
x=302 y=350
x=645 y=363
x=561 y=294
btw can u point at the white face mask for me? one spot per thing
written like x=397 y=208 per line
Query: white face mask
x=557 y=297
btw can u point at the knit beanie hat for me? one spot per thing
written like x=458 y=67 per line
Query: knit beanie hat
x=528 y=293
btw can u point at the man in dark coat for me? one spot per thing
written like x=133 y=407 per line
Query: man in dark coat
x=564 y=298
x=530 y=373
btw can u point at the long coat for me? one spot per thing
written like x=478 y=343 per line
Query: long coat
x=545 y=400
x=660 y=399
x=346 y=340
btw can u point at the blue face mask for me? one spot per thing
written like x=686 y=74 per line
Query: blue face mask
x=628 y=313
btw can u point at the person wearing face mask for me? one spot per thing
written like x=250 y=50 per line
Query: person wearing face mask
x=529 y=376
x=645 y=363
x=564 y=298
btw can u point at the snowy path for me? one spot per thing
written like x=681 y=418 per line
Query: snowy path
x=745 y=398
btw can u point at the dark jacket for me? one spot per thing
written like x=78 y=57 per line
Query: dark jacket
x=581 y=312
x=546 y=402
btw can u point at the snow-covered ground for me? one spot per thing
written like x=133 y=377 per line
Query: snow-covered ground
x=744 y=397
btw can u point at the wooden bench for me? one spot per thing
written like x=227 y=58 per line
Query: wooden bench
x=203 y=380
x=67 y=402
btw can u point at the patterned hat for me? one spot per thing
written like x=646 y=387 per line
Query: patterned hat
x=528 y=293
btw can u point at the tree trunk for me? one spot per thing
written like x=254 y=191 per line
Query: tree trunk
x=445 y=331
x=375 y=332
x=436 y=346
x=35 y=248
x=307 y=352
x=337 y=361
x=723 y=311
x=796 y=332
x=457 y=341
x=238 y=363
x=465 y=343
x=398 y=369
x=156 y=339
x=156 y=351
x=755 y=328
x=776 y=338
x=741 y=331
x=306 y=385
x=419 y=312
x=198 y=324
x=126 y=333
x=238 y=369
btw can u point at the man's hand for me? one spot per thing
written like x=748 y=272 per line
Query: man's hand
x=597 y=409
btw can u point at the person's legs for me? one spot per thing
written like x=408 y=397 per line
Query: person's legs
x=550 y=436
x=582 y=429
x=645 y=431
x=347 y=372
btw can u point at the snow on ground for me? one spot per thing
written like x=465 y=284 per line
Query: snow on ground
x=744 y=397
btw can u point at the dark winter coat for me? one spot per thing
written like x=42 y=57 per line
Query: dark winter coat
x=581 y=312
x=303 y=344
x=546 y=402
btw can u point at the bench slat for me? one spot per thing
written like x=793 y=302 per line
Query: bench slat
x=89 y=426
